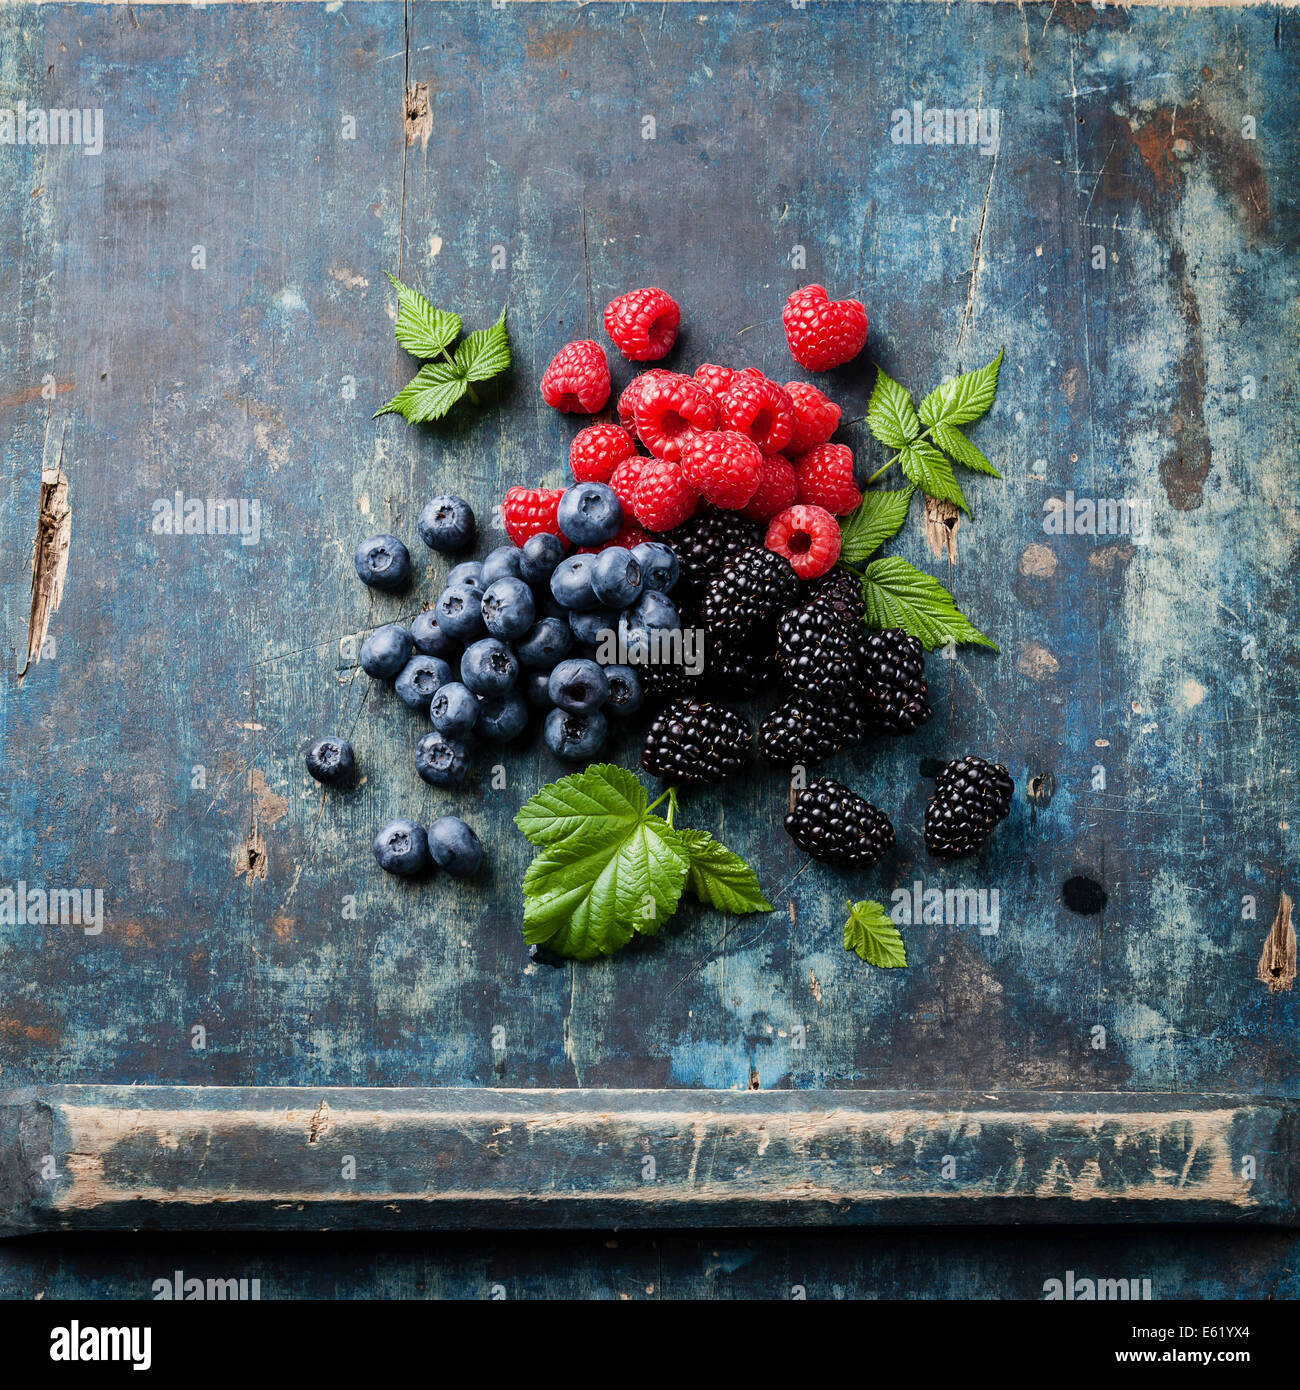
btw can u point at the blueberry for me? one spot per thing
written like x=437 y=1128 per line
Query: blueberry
x=508 y=607
x=625 y=693
x=455 y=846
x=447 y=525
x=538 y=557
x=459 y=612
x=331 y=760
x=578 y=685
x=383 y=563
x=502 y=717
x=543 y=955
x=441 y=761
x=574 y=737
x=536 y=686
x=616 y=578
x=489 y=667
x=587 y=627
x=653 y=611
x=590 y=513
x=402 y=847
x=571 y=583
x=659 y=568
x=545 y=643
x=419 y=679
x=547 y=605
x=385 y=651
x=429 y=638
x=502 y=563
x=467 y=574
x=454 y=710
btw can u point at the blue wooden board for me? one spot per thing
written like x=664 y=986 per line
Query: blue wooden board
x=1130 y=248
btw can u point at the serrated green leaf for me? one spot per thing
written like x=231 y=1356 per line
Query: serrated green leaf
x=954 y=443
x=429 y=395
x=898 y=594
x=870 y=931
x=931 y=472
x=601 y=800
x=890 y=416
x=964 y=398
x=420 y=328
x=586 y=897
x=720 y=877
x=485 y=353
x=880 y=517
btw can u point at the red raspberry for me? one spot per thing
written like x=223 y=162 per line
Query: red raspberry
x=815 y=417
x=809 y=537
x=826 y=479
x=715 y=380
x=643 y=324
x=625 y=478
x=777 y=489
x=723 y=465
x=668 y=408
x=598 y=450
x=632 y=393
x=629 y=534
x=664 y=498
x=758 y=408
x=577 y=379
x=529 y=510
x=822 y=333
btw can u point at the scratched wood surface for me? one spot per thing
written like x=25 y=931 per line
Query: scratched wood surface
x=273 y=139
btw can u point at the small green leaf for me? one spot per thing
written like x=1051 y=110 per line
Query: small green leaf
x=898 y=594
x=485 y=353
x=429 y=395
x=602 y=800
x=870 y=932
x=890 y=416
x=964 y=398
x=954 y=443
x=931 y=472
x=420 y=328
x=880 y=517
x=720 y=877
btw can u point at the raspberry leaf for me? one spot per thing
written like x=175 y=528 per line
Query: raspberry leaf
x=890 y=416
x=879 y=518
x=964 y=398
x=954 y=443
x=485 y=353
x=929 y=470
x=897 y=594
x=429 y=395
x=870 y=932
x=602 y=800
x=420 y=328
x=720 y=877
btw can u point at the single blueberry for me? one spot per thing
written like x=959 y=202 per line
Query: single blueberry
x=419 y=679
x=538 y=557
x=383 y=562
x=508 y=607
x=653 y=611
x=616 y=578
x=502 y=563
x=536 y=686
x=578 y=685
x=447 y=525
x=489 y=667
x=467 y=574
x=502 y=717
x=454 y=710
x=441 y=761
x=574 y=737
x=590 y=513
x=455 y=847
x=385 y=651
x=545 y=643
x=625 y=693
x=589 y=626
x=402 y=847
x=571 y=583
x=429 y=638
x=659 y=567
x=459 y=612
x=332 y=761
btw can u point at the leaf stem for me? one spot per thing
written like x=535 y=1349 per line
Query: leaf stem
x=473 y=395
x=925 y=434
x=658 y=800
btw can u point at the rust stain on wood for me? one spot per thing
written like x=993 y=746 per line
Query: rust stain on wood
x=49 y=560
x=1277 y=963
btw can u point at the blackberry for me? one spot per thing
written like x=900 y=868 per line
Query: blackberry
x=704 y=544
x=893 y=676
x=667 y=682
x=854 y=716
x=836 y=825
x=970 y=797
x=695 y=741
x=818 y=649
x=750 y=592
x=739 y=663
x=802 y=731
x=840 y=590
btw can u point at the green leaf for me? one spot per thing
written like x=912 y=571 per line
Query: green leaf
x=429 y=395
x=870 y=932
x=898 y=594
x=890 y=416
x=930 y=471
x=880 y=516
x=485 y=353
x=586 y=896
x=601 y=801
x=964 y=398
x=720 y=877
x=420 y=328
x=953 y=442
